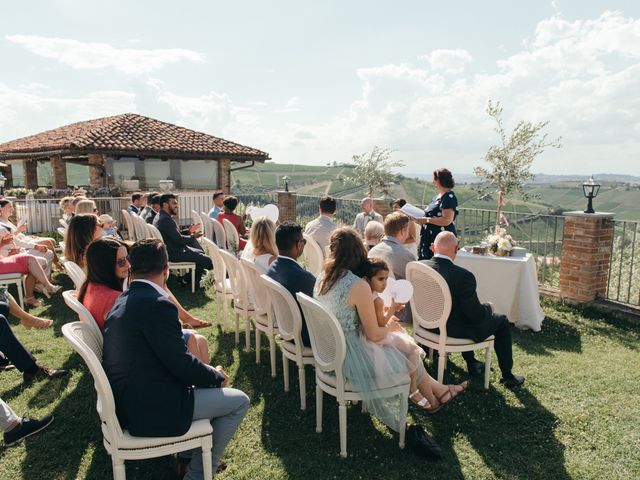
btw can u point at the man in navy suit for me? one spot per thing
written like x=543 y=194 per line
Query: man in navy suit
x=469 y=318
x=136 y=203
x=159 y=387
x=287 y=271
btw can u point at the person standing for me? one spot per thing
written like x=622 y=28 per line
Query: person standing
x=321 y=228
x=218 y=201
x=439 y=214
x=366 y=215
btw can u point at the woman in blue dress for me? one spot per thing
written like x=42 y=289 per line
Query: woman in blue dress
x=439 y=214
x=369 y=365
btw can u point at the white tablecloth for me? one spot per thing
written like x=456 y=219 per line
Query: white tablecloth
x=510 y=283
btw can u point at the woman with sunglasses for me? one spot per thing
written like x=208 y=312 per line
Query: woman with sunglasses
x=107 y=267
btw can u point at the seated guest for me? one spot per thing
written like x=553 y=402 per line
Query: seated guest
x=218 y=201
x=262 y=240
x=136 y=203
x=366 y=215
x=373 y=233
x=154 y=208
x=159 y=387
x=16 y=428
x=181 y=248
x=228 y=206
x=108 y=227
x=82 y=230
x=68 y=208
x=145 y=206
x=469 y=318
x=287 y=271
x=321 y=228
x=412 y=240
x=107 y=263
x=86 y=207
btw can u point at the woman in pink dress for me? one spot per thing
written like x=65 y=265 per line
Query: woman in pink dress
x=229 y=205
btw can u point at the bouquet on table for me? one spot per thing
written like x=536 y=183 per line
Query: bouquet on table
x=500 y=243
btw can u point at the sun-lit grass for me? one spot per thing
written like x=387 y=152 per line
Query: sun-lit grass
x=576 y=417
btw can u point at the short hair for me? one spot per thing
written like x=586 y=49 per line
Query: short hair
x=327 y=204
x=165 y=197
x=445 y=177
x=78 y=199
x=154 y=199
x=148 y=257
x=65 y=201
x=4 y=202
x=86 y=206
x=136 y=196
x=287 y=235
x=373 y=230
x=394 y=223
x=148 y=195
x=230 y=202
x=398 y=203
x=217 y=193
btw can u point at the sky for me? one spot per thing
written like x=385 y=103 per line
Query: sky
x=315 y=82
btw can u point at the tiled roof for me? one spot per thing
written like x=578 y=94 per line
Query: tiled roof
x=128 y=135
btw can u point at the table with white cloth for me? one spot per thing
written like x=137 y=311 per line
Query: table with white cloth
x=510 y=283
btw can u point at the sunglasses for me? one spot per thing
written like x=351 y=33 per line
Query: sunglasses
x=121 y=262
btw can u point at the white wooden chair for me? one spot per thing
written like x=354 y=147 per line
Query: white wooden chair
x=75 y=273
x=71 y=299
x=285 y=313
x=16 y=279
x=62 y=223
x=221 y=284
x=207 y=229
x=62 y=232
x=430 y=307
x=329 y=350
x=126 y=221
x=195 y=218
x=153 y=232
x=313 y=255
x=140 y=227
x=219 y=234
x=264 y=322
x=233 y=239
x=120 y=445
x=241 y=304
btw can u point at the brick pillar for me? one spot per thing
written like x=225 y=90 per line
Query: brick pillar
x=287 y=206
x=224 y=175
x=586 y=256
x=8 y=174
x=58 y=172
x=30 y=168
x=97 y=172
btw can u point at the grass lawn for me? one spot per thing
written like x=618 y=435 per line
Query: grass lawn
x=578 y=415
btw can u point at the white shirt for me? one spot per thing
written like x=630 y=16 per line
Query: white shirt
x=158 y=288
x=439 y=255
x=320 y=230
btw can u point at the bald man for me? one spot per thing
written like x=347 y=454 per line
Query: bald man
x=469 y=318
x=367 y=215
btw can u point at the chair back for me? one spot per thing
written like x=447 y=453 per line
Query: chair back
x=284 y=311
x=126 y=221
x=252 y=274
x=219 y=234
x=236 y=277
x=313 y=255
x=83 y=341
x=233 y=239
x=76 y=274
x=195 y=218
x=62 y=232
x=62 y=223
x=154 y=232
x=207 y=229
x=140 y=227
x=327 y=338
x=71 y=299
x=219 y=268
x=431 y=300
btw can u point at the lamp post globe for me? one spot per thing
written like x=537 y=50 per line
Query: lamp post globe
x=286 y=179
x=590 y=189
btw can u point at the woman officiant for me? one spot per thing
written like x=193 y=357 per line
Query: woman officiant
x=439 y=214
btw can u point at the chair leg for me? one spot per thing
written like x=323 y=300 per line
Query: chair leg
x=430 y=354
x=20 y=294
x=487 y=366
x=342 y=414
x=319 y=397
x=247 y=332
x=402 y=421
x=237 y=328
x=442 y=363
x=303 y=387
x=193 y=280
x=207 y=467
x=272 y=355
x=285 y=371
x=226 y=311
x=119 y=472
x=258 y=340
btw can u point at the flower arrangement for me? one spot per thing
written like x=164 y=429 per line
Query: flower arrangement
x=500 y=243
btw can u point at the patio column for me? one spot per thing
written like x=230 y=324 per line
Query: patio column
x=287 y=206
x=30 y=168
x=586 y=255
x=224 y=175
x=97 y=177
x=58 y=172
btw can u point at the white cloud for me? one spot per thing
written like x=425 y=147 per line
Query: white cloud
x=94 y=55
x=448 y=61
x=292 y=105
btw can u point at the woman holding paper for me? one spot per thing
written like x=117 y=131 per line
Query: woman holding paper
x=439 y=214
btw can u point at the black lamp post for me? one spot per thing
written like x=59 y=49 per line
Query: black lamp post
x=2 y=180
x=286 y=183
x=590 y=189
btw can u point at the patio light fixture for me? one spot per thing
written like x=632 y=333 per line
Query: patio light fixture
x=590 y=189
x=286 y=183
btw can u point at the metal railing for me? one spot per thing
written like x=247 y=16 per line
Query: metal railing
x=307 y=209
x=624 y=271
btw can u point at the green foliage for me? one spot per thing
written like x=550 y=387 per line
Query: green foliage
x=373 y=169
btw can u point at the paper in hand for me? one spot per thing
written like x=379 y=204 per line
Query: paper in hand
x=413 y=211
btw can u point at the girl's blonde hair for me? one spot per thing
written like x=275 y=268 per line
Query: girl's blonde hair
x=263 y=237
x=86 y=206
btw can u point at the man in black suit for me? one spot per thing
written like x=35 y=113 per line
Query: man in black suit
x=469 y=318
x=181 y=248
x=159 y=387
x=154 y=204
x=287 y=271
x=136 y=203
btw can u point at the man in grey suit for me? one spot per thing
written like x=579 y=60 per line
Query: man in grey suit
x=367 y=215
x=322 y=227
x=392 y=250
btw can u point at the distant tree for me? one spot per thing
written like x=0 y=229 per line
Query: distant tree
x=373 y=169
x=510 y=162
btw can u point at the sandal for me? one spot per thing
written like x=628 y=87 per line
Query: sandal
x=452 y=392
x=423 y=403
x=37 y=323
x=199 y=324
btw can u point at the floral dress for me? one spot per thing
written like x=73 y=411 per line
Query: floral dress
x=367 y=365
x=428 y=232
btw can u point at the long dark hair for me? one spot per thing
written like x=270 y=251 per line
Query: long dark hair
x=347 y=253
x=79 y=235
x=101 y=264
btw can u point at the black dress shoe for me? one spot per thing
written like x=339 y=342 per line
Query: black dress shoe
x=5 y=363
x=41 y=373
x=475 y=368
x=422 y=444
x=184 y=282
x=27 y=426
x=513 y=381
